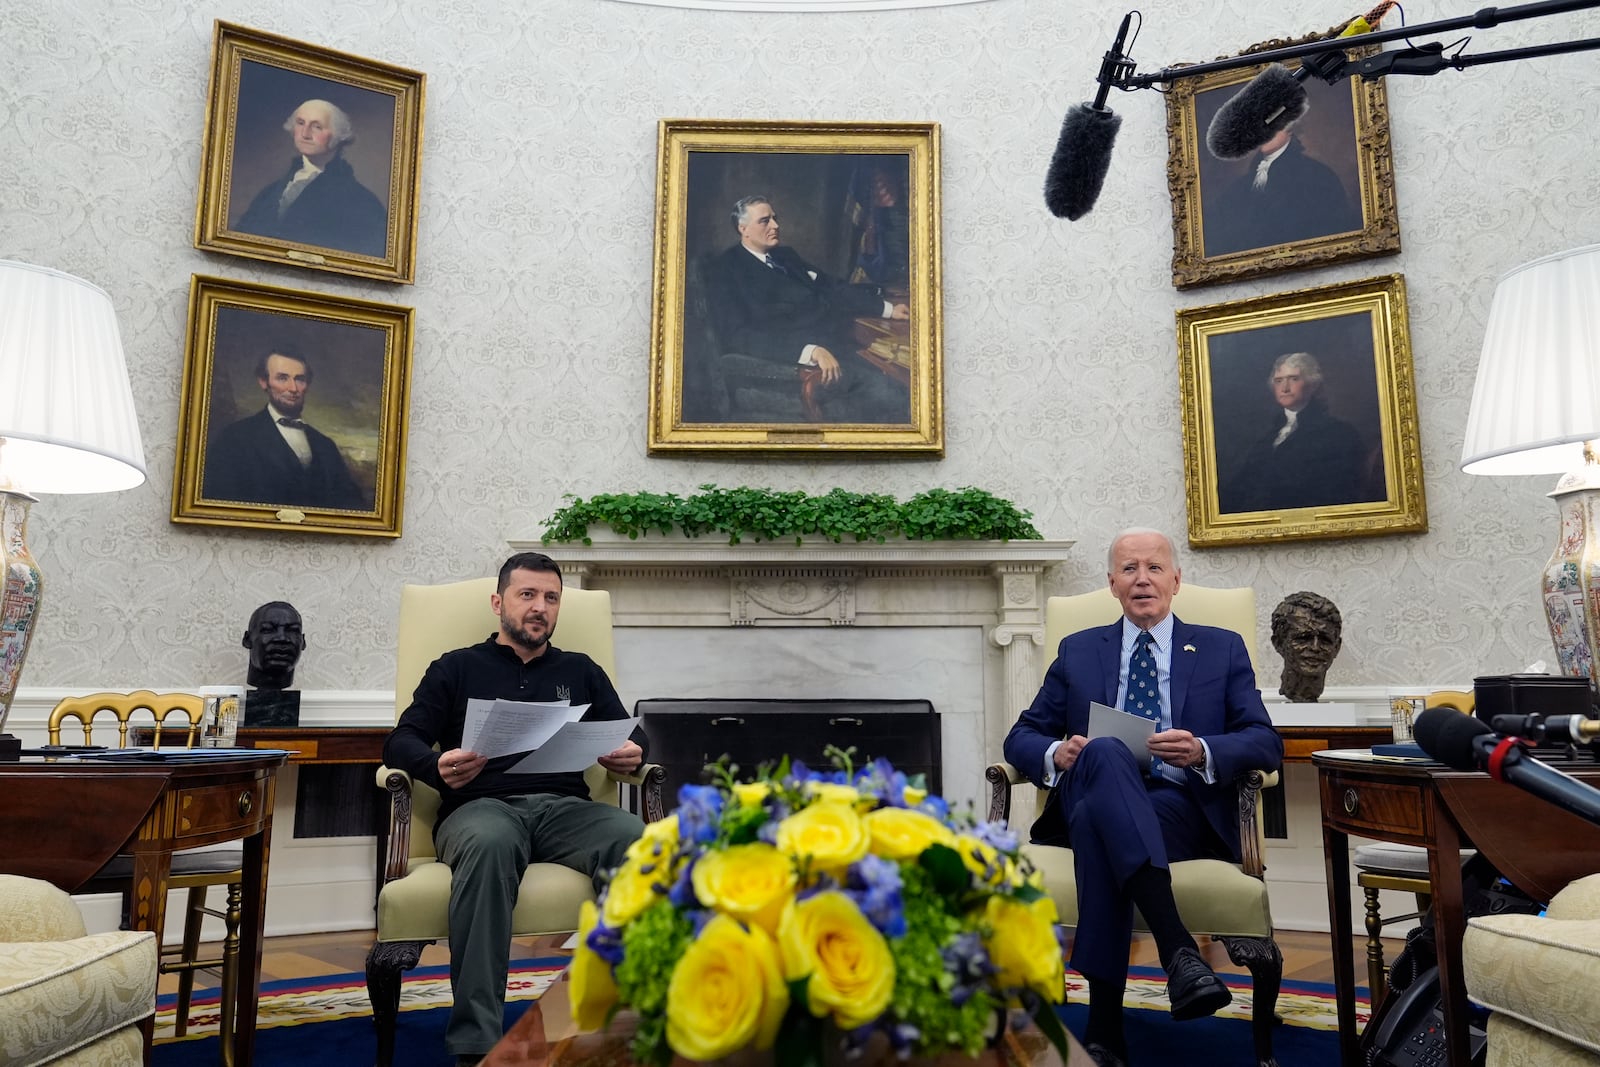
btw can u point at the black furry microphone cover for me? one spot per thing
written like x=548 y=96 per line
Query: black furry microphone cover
x=1272 y=100
x=1082 y=158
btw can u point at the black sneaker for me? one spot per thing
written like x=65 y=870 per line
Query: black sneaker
x=1193 y=987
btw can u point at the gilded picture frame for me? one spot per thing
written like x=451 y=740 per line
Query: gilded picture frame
x=310 y=157
x=849 y=213
x=338 y=369
x=1224 y=229
x=1351 y=465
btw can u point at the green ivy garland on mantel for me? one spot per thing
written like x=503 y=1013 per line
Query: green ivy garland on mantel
x=965 y=514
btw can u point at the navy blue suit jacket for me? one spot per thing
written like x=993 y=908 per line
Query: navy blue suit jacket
x=1214 y=697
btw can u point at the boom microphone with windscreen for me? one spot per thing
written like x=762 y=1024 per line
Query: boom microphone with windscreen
x=1083 y=151
x=1466 y=744
x=1275 y=98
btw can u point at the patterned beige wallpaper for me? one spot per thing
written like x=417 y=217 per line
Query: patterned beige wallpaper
x=533 y=297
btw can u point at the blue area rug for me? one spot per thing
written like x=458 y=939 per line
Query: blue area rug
x=327 y=1022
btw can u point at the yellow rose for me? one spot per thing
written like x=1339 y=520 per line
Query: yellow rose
x=750 y=882
x=658 y=842
x=751 y=794
x=833 y=793
x=852 y=974
x=1023 y=947
x=903 y=834
x=911 y=796
x=632 y=890
x=985 y=861
x=830 y=833
x=592 y=991
x=726 y=992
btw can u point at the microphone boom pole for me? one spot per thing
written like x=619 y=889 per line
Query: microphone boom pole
x=1483 y=19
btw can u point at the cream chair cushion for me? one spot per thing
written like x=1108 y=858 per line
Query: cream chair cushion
x=67 y=996
x=1539 y=972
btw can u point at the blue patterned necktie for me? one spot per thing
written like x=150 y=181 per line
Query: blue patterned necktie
x=1144 y=691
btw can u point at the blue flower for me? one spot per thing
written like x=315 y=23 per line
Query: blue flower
x=997 y=836
x=606 y=942
x=874 y=884
x=699 y=812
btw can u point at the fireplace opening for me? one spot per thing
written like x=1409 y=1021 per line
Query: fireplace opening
x=687 y=734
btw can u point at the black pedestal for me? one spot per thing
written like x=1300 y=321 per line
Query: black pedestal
x=272 y=707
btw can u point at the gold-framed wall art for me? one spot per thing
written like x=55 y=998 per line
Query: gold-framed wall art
x=294 y=411
x=1350 y=465
x=849 y=214
x=310 y=157
x=1327 y=195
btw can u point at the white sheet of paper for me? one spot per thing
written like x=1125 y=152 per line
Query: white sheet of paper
x=575 y=746
x=502 y=727
x=1134 y=730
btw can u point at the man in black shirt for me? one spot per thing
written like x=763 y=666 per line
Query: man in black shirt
x=492 y=823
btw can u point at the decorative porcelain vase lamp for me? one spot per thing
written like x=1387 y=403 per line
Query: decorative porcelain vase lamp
x=1536 y=410
x=67 y=425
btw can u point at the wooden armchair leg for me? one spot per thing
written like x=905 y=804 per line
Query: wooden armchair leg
x=1264 y=960
x=385 y=963
x=1377 y=973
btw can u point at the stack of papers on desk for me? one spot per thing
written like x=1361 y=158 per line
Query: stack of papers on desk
x=173 y=755
x=551 y=733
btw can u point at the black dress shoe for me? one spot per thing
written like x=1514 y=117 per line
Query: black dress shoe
x=1104 y=1057
x=1193 y=987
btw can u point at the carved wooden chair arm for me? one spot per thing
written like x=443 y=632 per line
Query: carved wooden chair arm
x=398 y=784
x=1250 y=784
x=1001 y=777
x=648 y=781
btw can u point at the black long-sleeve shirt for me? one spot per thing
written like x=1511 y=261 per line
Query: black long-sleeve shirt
x=489 y=671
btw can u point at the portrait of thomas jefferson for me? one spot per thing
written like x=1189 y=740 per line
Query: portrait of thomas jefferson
x=312 y=161
x=1299 y=426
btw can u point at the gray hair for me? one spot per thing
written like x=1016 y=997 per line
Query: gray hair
x=1139 y=531
x=343 y=132
x=1303 y=362
x=741 y=207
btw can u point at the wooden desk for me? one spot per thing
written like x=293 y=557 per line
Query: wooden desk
x=63 y=819
x=320 y=744
x=1301 y=742
x=1536 y=845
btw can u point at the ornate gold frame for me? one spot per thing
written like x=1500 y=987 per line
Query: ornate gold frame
x=1225 y=353
x=360 y=353
x=764 y=157
x=378 y=95
x=1189 y=166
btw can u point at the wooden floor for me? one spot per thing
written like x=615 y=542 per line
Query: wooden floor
x=1307 y=957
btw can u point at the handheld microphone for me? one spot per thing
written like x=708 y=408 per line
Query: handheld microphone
x=1083 y=150
x=1275 y=98
x=1560 y=729
x=1466 y=744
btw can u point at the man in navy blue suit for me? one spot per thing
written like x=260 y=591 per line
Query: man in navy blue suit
x=1128 y=815
x=769 y=302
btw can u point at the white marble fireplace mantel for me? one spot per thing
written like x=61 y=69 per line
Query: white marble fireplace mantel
x=959 y=623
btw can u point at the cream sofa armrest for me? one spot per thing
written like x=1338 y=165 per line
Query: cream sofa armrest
x=32 y=910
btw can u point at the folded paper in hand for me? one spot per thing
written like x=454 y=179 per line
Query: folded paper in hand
x=560 y=742
x=1134 y=730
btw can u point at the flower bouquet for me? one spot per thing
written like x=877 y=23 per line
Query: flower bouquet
x=807 y=908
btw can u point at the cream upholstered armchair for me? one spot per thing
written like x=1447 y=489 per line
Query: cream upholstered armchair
x=1228 y=901
x=67 y=996
x=413 y=903
x=1535 y=974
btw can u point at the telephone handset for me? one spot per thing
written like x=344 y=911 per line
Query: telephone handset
x=1411 y=1031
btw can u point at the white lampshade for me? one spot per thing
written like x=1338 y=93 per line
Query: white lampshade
x=66 y=411
x=1537 y=398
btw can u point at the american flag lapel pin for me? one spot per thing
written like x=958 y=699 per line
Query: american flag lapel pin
x=1188 y=648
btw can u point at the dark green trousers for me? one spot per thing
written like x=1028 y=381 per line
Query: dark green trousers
x=488 y=844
